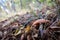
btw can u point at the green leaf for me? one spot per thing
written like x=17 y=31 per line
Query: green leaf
x=49 y=1
x=41 y=0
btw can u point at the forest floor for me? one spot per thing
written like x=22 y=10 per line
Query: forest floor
x=4 y=16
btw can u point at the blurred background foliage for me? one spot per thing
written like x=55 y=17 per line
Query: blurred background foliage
x=22 y=4
x=8 y=7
